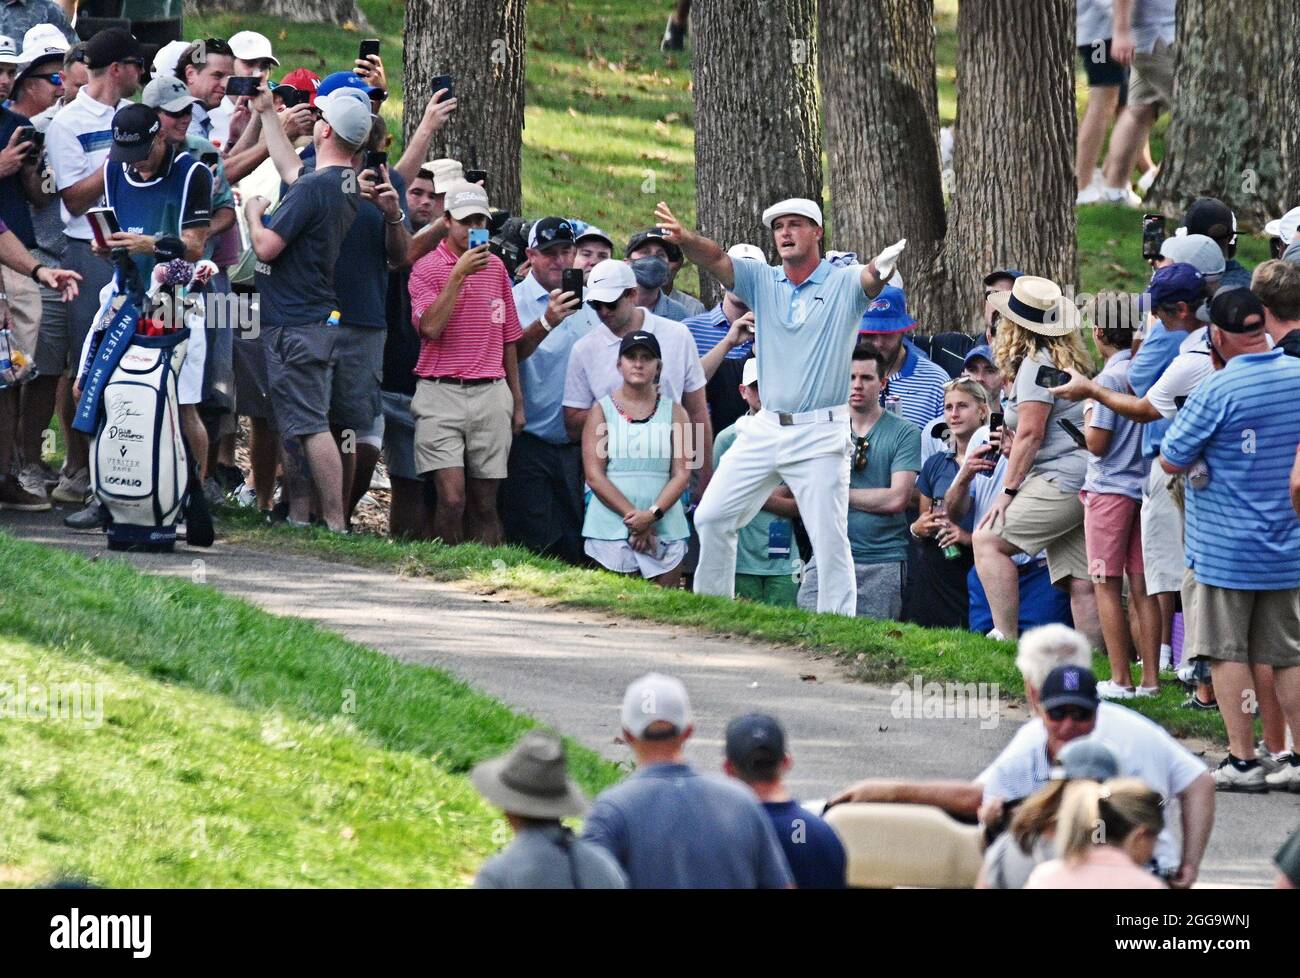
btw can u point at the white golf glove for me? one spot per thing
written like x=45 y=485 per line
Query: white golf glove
x=887 y=259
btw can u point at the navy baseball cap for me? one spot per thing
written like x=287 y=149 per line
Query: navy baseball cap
x=1176 y=283
x=1232 y=307
x=1070 y=686
x=653 y=234
x=134 y=129
x=1211 y=217
x=550 y=231
x=887 y=313
x=642 y=339
x=755 y=744
x=1011 y=274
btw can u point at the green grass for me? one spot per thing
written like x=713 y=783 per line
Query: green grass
x=876 y=651
x=237 y=748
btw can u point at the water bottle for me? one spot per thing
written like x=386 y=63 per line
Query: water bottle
x=953 y=550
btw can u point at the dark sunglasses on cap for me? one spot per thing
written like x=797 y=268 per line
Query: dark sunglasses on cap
x=1077 y=713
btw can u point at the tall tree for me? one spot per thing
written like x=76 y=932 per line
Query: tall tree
x=299 y=11
x=1235 y=132
x=1011 y=188
x=481 y=45
x=757 y=131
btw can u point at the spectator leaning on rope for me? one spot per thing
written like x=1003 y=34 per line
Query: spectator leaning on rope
x=1243 y=425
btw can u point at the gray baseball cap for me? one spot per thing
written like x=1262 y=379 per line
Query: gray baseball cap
x=654 y=698
x=1201 y=252
x=348 y=117
x=1085 y=758
x=166 y=92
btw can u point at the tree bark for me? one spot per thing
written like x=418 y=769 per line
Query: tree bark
x=480 y=43
x=299 y=11
x=1012 y=186
x=1235 y=132
x=757 y=131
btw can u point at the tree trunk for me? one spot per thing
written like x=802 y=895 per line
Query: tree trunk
x=882 y=123
x=481 y=45
x=1235 y=132
x=299 y=11
x=1012 y=187
x=757 y=131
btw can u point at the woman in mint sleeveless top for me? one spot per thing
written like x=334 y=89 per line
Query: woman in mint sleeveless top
x=634 y=455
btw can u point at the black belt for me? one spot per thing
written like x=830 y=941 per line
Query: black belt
x=461 y=381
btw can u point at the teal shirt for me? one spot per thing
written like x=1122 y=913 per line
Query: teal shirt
x=751 y=543
x=893 y=445
x=804 y=335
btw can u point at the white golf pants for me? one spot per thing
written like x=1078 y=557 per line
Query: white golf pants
x=813 y=460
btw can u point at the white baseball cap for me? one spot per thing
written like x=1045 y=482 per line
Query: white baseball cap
x=801 y=206
x=465 y=199
x=1285 y=226
x=168 y=56
x=443 y=173
x=608 y=280
x=8 y=50
x=749 y=373
x=753 y=252
x=654 y=698
x=252 y=46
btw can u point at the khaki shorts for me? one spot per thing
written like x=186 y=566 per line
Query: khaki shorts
x=463 y=427
x=1162 y=534
x=1152 y=80
x=1258 y=627
x=25 y=307
x=1043 y=517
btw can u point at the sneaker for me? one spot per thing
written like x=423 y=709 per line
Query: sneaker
x=1287 y=776
x=1272 y=762
x=1235 y=775
x=1121 y=195
x=93 y=517
x=32 y=479
x=212 y=491
x=49 y=474
x=1193 y=703
x=14 y=496
x=1108 y=689
x=245 y=496
x=1146 y=692
x=73 y=488
x=1166 y=659
x=996 y=635
x=1147 y=179
x=1187 y=674
x=674 y=37
x=1089 y=195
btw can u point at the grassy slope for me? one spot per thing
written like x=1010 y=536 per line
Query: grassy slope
x=209 y=697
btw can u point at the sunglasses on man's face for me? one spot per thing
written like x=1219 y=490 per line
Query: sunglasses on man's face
x=1079 y=714
x=599 y=306
x=55 y=79
x=181 y=113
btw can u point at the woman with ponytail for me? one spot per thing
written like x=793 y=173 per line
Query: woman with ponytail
x=1106 y=834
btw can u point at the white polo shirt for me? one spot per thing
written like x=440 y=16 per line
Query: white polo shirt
x=76 y=144
x=593 y=363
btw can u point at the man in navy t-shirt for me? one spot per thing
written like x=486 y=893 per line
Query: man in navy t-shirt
x=756 y=755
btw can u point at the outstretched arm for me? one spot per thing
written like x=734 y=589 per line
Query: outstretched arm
x=707 y=254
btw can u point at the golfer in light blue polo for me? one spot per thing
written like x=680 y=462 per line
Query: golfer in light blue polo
x=806 y=314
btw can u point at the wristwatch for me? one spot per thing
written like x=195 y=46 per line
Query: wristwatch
x=1010 y=492
x=656 y=512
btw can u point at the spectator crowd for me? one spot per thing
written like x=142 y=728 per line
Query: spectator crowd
x=797 y=444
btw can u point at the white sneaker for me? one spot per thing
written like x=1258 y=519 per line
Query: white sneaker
x=1146 y=692
x=73 y=488
x=32 y=479
x=1147 y=179
x=1089 y=195
x=1272 y=762
x=993 y=633
x=1108 y=689
x=1287 y=776
x=1187 y=674
x=1121 y=195
x=245 y=495
x=1240 y=776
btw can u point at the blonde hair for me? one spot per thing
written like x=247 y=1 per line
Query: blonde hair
x=1013 y=345
x=1037 y=814
x=1101 y=814
x=972 y=388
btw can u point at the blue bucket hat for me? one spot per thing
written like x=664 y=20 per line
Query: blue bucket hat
x=887 y=313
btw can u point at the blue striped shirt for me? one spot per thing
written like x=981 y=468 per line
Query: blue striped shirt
x=708 y=330
x=1245 y=422
x=919 y=382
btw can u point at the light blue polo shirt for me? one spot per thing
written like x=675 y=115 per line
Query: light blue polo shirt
x=1244 y=421
x=805 y=334
x=542 y=374
x=1155 y=354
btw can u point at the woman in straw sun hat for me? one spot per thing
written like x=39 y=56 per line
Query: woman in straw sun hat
x=1039 y=507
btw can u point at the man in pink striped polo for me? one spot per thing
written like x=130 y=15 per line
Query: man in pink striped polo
x=468 y=404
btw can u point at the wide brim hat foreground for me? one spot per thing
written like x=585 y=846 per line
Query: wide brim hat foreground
x=1038 y=305
x=531 y=780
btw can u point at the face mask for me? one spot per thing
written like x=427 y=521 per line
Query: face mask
x=650 y=272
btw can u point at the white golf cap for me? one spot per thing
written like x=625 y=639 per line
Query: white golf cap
x=609 y=280
x=42 y=42
x=8 y=50
x=752 y=252
x=168 y=56
x=252 y=46
x=348 y=117
x=749 y=373
x=1285 y=226
x=443 y=173
x=801 y=206
x=654 y=698
x=465 y=199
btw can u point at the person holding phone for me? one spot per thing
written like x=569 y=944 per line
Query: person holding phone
x=468 y=403
x=1037 y=339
